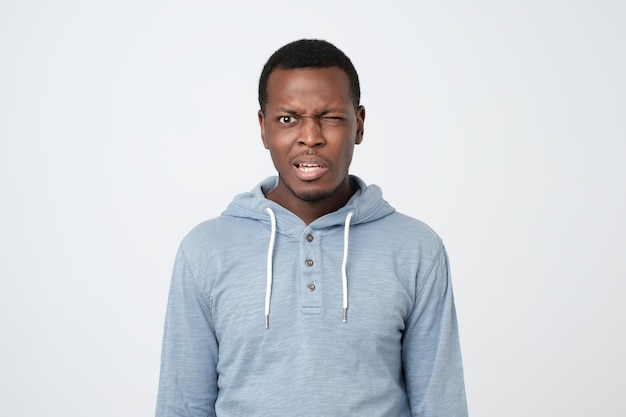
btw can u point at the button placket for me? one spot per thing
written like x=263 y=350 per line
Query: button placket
x=311 y=293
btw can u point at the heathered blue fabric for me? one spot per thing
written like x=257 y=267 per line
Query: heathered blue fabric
x=397 y=355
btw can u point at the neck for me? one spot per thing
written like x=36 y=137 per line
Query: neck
x=308 y=211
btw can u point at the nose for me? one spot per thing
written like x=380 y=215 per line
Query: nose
x=311 y=132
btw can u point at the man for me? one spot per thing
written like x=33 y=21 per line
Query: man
x=310 y=295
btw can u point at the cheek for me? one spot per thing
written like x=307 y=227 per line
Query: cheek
x=279 y=151
x=280 y=139
x=347 y=152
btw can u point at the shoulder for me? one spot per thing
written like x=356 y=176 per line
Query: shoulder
x=400 y=243
x=207 y=230
x=222 y=236
x=406 y=230
x=416 y=225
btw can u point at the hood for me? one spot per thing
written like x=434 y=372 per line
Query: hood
x=366 y=205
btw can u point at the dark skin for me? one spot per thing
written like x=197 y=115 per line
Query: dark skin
x=310 y=126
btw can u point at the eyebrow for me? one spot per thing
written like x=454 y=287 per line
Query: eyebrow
x=288 y=111
x=317 y=114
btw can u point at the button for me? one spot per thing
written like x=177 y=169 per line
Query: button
x=308 y=262
x=309 y=238
x=311 y=287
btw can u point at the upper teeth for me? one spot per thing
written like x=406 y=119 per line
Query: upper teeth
x=308 y=167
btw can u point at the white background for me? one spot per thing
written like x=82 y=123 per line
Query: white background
x=499 y=123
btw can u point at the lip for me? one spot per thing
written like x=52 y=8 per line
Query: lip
x=309 y=168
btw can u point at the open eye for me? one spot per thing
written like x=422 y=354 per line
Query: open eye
x=285 y=120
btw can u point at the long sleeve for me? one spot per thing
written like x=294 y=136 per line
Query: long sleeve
x=431 y=353
x=188 y=379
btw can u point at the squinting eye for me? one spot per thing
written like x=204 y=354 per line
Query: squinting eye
x=331 y=121
x=285 y=120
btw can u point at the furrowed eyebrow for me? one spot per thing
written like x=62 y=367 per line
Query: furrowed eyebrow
x=321 y=113
x=288 y=111
x=331 y=110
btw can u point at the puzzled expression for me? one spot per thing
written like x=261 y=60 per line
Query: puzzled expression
x=310 y=126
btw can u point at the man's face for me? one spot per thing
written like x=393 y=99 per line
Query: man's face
x=310 y=127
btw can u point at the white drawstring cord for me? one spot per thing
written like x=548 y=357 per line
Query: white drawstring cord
x=344 y=275
x=270 y=253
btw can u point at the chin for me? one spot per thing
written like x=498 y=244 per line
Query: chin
x=313 y=195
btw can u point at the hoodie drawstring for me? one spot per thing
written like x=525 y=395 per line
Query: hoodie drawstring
x=270 y=255
x=344 y=274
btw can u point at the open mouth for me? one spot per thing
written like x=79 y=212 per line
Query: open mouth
x=309 y=171
x=308 y=167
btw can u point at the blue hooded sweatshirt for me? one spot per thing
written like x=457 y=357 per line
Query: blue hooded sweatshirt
x=351 y=315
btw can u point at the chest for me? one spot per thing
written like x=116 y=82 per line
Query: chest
x=307 y=293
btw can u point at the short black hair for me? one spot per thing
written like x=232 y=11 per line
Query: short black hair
x=309 y=53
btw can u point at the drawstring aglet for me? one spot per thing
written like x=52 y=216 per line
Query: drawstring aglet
x=267 y=321
x=345 y=315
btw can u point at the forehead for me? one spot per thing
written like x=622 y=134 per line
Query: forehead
x=303 y=85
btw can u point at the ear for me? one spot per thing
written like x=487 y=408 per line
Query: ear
x=360 y=124
x=262 y=125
